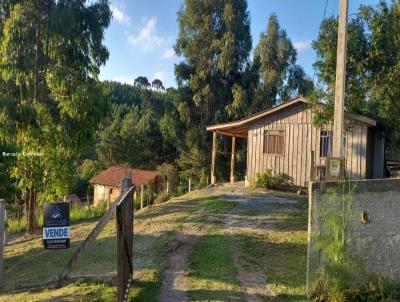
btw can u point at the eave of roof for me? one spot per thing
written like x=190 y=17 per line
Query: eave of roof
x=240 y=128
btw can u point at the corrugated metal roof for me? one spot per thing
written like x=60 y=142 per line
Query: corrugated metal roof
x=113 y=176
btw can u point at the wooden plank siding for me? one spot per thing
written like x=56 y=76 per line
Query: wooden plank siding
x=300 y=138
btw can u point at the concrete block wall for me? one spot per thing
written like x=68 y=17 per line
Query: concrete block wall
x=374 y=225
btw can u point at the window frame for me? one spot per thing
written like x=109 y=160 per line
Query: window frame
x=330 y=147
x=326 y=138
x=281 y=133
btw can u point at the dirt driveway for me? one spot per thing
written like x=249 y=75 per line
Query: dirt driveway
x=255 y=221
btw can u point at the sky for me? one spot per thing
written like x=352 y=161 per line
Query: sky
x=142 y=33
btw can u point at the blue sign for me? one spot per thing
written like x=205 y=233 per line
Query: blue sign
x=56 y=229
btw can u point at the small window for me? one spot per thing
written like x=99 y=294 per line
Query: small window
x=325 y=146
x=274 y=142
x=326 y=142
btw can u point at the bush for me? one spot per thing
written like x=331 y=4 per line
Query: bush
x=162 y=197
x=268 y=181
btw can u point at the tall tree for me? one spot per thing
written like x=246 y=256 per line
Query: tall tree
x=157 y=84
x=373 y=66
x=214 y=41
x=142 y=81
x=55 y=102
x=275 y=58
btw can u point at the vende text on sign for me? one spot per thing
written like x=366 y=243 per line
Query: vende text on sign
x=59 y=233
x=56 y=228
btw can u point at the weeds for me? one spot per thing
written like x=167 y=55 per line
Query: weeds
x=76 y=214
x=267 y=180
x=341 y=277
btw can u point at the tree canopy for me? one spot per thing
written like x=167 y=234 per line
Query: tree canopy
x=50 y=97
x=373 y=66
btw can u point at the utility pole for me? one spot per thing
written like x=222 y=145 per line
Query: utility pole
x=338 y=122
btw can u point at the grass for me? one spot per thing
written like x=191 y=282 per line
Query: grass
x=76 y=214
x=84 y=292
x=281 y=255
x=212 y=276
x=278 y=253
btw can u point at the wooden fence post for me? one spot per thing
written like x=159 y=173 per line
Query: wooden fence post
x=5 y=224
x=2 y=231
x=190 y=185
x=124 y=224
x=312 y=166
x=167 y=187
x=213 y=156
x=142 y=196
x=232 y=176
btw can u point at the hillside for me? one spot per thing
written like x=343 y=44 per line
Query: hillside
x=222 y=244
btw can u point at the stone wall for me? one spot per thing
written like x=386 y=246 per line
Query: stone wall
x=373 y=225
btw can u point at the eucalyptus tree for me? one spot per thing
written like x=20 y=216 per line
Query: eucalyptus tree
x=275 y=60
x=214 y=42
x=50 y=54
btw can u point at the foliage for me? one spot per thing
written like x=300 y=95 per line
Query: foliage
x=267 y=180
x=373 y=65
x=280 y=77
x=142 y=81
x=51 y=101
x=339 y=270
x=214 y=41
x=162 y=197
x=77 y=214
x=157 y=84
x=135 y=133
x=169 y=173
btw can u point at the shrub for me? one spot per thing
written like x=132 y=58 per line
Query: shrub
x=267 y=180
x=162 y=197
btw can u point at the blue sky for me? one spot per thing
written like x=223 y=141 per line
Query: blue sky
x=142 y=33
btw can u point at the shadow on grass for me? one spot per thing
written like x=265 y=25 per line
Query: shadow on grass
x=287 y=298
x=39 y=266
x=216 y=295
x=283 y=262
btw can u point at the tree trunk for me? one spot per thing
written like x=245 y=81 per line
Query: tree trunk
x=31 y=213
x=27 y=205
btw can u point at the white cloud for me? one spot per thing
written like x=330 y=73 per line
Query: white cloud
x=168 y=53
x=147 y=38
x=120 y=15
x=161 y=75
x=302 y=46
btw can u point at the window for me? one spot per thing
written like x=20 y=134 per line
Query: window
x=100 y=192
x=325 y=145
x=326 y=141
x=273 y=142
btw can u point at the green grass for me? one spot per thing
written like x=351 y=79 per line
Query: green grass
x=84 y=292
x=212 y=276
x=76 y=214
x=279 y=253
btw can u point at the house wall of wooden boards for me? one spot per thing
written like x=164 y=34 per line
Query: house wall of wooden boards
x=364 y=149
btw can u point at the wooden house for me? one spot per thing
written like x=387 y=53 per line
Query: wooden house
x=106 y=184
x=285 y=139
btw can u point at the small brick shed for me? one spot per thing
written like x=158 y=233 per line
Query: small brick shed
x=106 y=184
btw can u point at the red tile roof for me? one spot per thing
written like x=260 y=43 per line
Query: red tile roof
x=113 y=176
